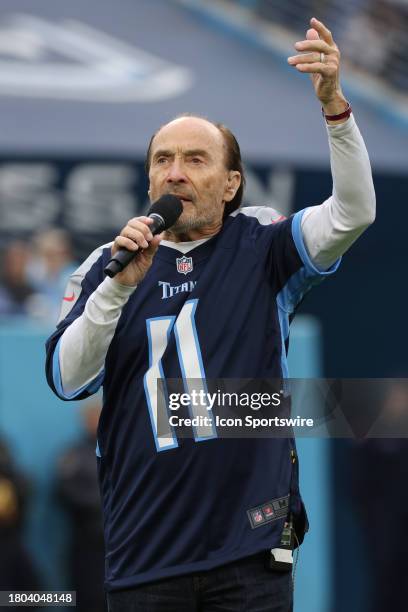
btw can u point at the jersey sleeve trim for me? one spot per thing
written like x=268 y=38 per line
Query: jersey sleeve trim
x=284 y=329
x=311 y=268
x=306 y=277
x=90 y=387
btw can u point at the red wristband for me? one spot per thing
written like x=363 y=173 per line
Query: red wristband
x=342 y=115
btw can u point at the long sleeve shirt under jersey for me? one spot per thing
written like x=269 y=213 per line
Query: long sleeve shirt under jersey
x=328 y=229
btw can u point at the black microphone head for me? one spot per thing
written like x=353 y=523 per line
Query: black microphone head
x=169 y=207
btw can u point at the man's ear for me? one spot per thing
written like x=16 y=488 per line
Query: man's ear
x=233 y=183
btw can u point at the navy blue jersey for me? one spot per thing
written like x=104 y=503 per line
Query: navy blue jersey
x=178 y=505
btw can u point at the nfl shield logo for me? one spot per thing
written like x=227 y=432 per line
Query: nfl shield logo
x=257 y=516
x=184 y=264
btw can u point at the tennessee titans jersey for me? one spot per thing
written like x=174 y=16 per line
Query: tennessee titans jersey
x=175 y=505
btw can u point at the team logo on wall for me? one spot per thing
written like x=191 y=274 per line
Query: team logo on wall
x=184 y=264
x=73 y=61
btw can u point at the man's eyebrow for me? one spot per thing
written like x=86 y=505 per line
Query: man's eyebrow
x=187 y=153
x=163 y=152
x=199 y=152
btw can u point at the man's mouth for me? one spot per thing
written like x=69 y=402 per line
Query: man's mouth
x=182 y=197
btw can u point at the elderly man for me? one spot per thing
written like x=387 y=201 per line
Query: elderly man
x=190 y=523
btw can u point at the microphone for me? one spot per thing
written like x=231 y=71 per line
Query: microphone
x=164 y=213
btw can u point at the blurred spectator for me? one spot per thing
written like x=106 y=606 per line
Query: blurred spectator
x=78 y=490
x=34 y=277
x=372 y=34
x=363 y=32
x=380 y=473
x=397 y=67
x=17 y=572
x=285 y=13
x=15 y=289
x=369 y=36
x=48 y=272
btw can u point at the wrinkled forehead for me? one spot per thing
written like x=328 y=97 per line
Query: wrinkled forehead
x=190 y=133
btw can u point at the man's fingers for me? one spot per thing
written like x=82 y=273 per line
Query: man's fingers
x=141 y=224
x=146 y=220
x=323 y=32
x=306 y=58
x=319 y=57
x=153 y=246
x=315 y=45
x=121 y=242
x=312 y=34
x=136 y=235
x=326 y=70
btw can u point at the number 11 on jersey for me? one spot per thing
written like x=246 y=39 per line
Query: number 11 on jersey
x=184 y=328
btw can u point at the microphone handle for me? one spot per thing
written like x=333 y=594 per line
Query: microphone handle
x=123 y=257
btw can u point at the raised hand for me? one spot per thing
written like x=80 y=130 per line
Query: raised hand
x=320 y=57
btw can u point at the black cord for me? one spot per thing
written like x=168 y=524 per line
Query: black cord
x=295 y=562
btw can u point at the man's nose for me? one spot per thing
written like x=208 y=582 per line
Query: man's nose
x=175 y=173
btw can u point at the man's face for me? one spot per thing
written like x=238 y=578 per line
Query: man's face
x=188 y=160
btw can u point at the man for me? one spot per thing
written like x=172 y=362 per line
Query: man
x=188 y=522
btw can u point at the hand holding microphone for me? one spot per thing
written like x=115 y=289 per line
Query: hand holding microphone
x=134 y=249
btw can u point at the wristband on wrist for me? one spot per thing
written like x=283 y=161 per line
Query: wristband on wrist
x=343 y=115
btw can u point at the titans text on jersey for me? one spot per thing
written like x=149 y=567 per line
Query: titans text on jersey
x=168 y=290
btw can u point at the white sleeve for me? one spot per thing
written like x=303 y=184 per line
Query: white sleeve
x=84 y=344
x=329 y=229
